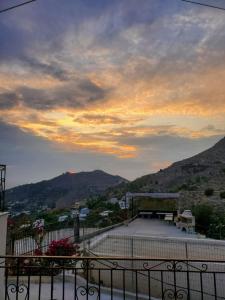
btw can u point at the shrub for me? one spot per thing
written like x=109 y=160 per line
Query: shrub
x=204 y=216
x=42 y=266
x=209 y=192
x=222 y=195
x=62 y=248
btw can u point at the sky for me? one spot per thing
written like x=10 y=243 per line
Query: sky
x=125 y=86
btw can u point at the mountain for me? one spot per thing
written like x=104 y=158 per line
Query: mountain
x=191 y=177
x=61 y=191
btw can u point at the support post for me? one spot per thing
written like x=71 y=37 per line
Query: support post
x=76 y=228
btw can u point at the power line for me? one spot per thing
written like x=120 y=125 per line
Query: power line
x=204 y=4
x=15 y=6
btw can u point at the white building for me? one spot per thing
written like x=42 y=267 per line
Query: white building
x=123 y=204
x=62 y=218
x=186 y=221
x=105 y=213
x=113 y=200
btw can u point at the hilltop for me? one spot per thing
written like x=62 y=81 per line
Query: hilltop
x=61 y=191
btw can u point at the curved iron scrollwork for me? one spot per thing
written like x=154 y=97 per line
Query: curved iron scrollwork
x=89 y=291
x=184 y=265
x=148 y=267
x=17 y=289
x=204 y=268
x=174 y=295
x=87 y=264
x=177 y=266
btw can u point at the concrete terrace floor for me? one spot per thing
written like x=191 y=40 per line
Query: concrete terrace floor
x=156 y=239
x=151 y=228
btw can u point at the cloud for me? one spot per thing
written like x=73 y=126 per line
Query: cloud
x=95 y=79
x=49 y=68
x=106 y=119
x=79 y=93
x=8 y=100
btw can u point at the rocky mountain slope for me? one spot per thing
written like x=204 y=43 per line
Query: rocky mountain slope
x=61 y=191
x=191 y=177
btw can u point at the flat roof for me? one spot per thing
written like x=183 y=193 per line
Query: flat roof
x=151 y=227
x=156 y=195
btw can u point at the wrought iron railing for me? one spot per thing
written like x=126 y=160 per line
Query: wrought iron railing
x=114 y=278
x=22 y=242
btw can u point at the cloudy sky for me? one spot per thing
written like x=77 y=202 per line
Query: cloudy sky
x=126 y=86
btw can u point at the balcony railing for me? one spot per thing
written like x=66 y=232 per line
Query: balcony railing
x=66 y=278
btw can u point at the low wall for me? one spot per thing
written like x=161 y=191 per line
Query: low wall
x=159 y=247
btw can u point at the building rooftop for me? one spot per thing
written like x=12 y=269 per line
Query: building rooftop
x=156 y=195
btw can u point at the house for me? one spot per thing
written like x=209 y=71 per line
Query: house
x=113 y=200
x=123 y=204
x=105 y=213
x=62 y=218
x=84 y=212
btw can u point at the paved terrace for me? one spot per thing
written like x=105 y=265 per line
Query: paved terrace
x=150 y=228
x=155 y=238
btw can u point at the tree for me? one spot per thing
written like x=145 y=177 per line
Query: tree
x=209 y=192
x=204 y=216
x=222 y=195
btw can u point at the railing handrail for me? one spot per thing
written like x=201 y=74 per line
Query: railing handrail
x=149 y=258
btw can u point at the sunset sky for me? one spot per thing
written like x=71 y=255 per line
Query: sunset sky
x=125 y=86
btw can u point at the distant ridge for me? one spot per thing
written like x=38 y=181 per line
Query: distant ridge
x=61 y=191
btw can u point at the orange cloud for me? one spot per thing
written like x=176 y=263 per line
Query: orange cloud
x=121 y=92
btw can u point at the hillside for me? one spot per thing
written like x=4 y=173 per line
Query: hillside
x=61 y=191
x=191 y=177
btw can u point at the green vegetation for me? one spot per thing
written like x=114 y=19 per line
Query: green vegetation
x=98 y=205
x=203 y=216
x=209 y=221
x=222 y=195
x=209 y=192
x=22 y=225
